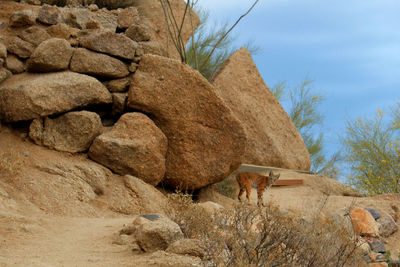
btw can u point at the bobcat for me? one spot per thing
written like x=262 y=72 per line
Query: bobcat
x=245 y=179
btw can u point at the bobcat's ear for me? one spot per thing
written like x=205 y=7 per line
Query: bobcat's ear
x=270 y=173
x=277 y=177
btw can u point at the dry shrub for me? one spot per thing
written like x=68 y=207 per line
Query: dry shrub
x=250 y=236
x=227 y=187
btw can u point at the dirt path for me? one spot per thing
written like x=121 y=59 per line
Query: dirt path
x=64 y=241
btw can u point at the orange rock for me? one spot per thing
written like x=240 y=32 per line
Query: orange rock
x=363 y=222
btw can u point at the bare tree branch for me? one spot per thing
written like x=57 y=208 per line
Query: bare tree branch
x=230 y=29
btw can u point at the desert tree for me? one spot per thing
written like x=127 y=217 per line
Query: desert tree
x=209 y=47
x=372 y=148
x=303 y=110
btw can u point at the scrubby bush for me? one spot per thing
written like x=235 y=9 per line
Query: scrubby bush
x=250 y=236
x=372 y=148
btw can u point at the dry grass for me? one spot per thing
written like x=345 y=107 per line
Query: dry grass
x=250 y=236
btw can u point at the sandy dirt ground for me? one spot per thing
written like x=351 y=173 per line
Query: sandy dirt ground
x=63 y=241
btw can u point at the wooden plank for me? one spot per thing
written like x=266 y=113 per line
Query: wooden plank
x=288 y=182
x=265 y=169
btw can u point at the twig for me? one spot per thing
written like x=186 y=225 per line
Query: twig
x=230 y=29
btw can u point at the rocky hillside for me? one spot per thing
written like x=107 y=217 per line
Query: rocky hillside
x=98 y=117
x=89 y=80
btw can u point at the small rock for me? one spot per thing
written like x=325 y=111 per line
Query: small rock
x=163 y=259
x=110 y=43
x=93 y=24
x=76 y=17
x=151 y=47
x=118 y=85
x=19 y=47
x=376 y=245
x=34 y=35
x=387 y=226
x=4 y=74
x=210 y=207
x=3 y=51
x=153 y=235
x=127 y=17
x=363 y=246
x=14 y=64
x=49 y=15
x=23 y=18
x=51 y=55
x=60 y=30
x=89 y=62
x=93 y=7
x=138 y=32
x=191 y=247
x=34 y=2
x=119 y=104
x=136 y=59
x=72 y=132
x=133 y=67
x=106 y=19
x=376 y=214
x=363 y=223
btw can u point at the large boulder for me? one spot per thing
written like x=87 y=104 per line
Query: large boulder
x=153 y=13
x=71 y=132
x=133 y=146
x=271 y=137
x=110 y=43
x=51 y=55
x=89 y=62
x=30 y=96
x=205 y=141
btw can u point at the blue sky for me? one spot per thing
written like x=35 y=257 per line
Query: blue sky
x=351 y=49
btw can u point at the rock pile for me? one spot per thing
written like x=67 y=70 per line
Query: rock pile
x=150 y=233
x=96 y=81
x=371 y=226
